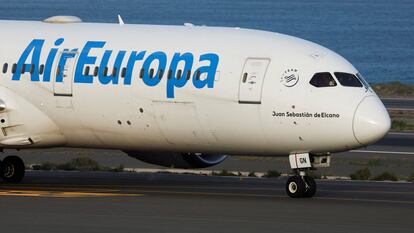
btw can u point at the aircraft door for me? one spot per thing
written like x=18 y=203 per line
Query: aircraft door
x=251 y=81
x=65 y=69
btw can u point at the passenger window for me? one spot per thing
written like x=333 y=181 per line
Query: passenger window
x=245 y=77
x=141 y=73
x=5 y=66
x=151 y=74
x=105 y=71
x=160 y=74
x=323 y=79
x=32 y=68
x=96 y=71
x=123 y=72
x=348 y=80
x=169 y=74
x=114 y=70
x=188 y=76
x=14 y=67
x=198 y=74
x=87 y=68
x=23 y=69
x=179 y=74
x=41 y=69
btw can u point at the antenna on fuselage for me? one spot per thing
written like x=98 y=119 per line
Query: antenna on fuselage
x=121 y=22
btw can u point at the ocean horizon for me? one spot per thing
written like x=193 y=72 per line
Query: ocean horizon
x=377 y=36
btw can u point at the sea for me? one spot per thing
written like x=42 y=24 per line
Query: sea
x=377 y=36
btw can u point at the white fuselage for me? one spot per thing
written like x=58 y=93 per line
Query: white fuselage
x=257 y=100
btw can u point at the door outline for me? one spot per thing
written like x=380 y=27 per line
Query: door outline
x=251 y=80
x=65 y=72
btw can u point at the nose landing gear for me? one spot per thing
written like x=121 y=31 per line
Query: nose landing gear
x=12 y=169
x=302 y=185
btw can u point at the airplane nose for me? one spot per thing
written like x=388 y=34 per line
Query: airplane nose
x=371 y=121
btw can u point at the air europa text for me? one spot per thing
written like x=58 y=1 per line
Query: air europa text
x=205 y=65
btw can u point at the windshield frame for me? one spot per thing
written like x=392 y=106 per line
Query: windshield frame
x=364 y=82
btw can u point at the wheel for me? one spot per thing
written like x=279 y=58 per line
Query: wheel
x=295 y=187
x=310 y=186
x=12 y=169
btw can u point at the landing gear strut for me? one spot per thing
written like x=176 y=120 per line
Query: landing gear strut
x=12 y=169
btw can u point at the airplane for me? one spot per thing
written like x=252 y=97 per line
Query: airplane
x=181 y=96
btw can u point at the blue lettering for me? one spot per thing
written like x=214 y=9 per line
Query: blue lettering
x=134 y=57
x=179 y=80
x=85 y=59
x=34 y=48
x=114 y=76
x=162 y=62
x=50 y=59
x=154 y=67
x=209 y=70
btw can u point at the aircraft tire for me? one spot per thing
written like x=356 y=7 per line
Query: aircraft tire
x=12 y=169
x=295 y=187
x=311 y=186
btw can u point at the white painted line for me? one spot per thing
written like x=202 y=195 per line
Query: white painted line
x=402 y=134
x=383 y=152
x=190 y=171
x=401 y=109
x=403 y=99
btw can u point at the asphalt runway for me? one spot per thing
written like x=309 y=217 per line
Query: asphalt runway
x=131 y=202
x=397 y=141
x=398 y=103
x=158 y=202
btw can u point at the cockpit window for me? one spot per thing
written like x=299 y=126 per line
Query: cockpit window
x=323 y=79
x=348 y=80
x=363 y=81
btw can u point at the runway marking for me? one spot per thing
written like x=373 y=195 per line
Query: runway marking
x=398 y=98
x=279 y=196
x=62 y=194
x=129 y=187
x=275 y=196
x=400 y=109
x=81 y=194
x=382 y=152
x=139 y=188
x=401 y=134
x=368 y=191
x=364 y=200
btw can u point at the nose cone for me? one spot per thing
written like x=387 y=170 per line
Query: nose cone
x=371 y=121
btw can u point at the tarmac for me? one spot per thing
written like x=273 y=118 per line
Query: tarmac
x=160 y=202
x=132 y=202
x=398 y=103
